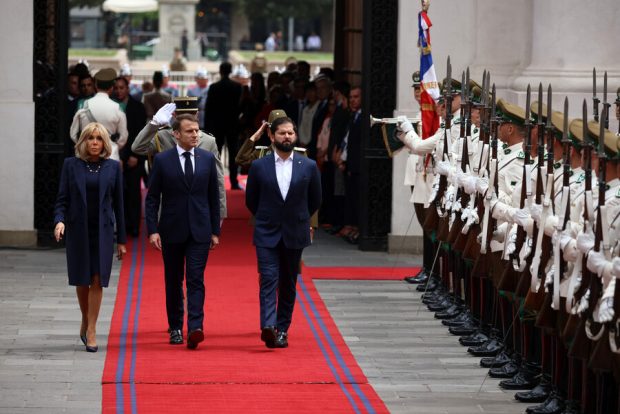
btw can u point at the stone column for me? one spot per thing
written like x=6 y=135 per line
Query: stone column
x=569 y=38
x=174 y=17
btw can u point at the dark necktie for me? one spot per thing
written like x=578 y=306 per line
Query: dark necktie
x=189 y=170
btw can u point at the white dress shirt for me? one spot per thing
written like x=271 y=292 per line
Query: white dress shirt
x=284 y=172
x=181 y=151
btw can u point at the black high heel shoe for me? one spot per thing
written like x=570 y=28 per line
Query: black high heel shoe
x=92 y=348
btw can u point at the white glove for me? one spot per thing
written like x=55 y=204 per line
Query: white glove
x=569 y=248
x=512 y=242
x=404 y=125
x=536 y=212
x=402 y=136
x=616 y=266
x=585 y=242
x=522 y=218
x=482 y=185
x=549 y=277
x=551 y=224
x=164 y=114
x=596 y=262
x=583 y=304
x=606 y=307
x=469 y=184
x=443 y=168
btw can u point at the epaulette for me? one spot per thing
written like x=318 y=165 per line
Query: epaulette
x=300 y=150
x=581 y=177
x=262 y=150
x=507 y=151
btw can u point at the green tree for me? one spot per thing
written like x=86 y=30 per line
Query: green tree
x=284 y=8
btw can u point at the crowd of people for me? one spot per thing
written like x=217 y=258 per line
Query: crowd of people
x=114 y=119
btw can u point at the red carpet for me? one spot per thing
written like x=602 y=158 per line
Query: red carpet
x=232 y=371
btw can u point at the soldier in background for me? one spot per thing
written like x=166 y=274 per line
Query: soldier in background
x=157 y=136
x=200 y=90
x=156 y=99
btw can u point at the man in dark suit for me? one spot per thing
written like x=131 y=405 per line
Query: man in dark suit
x=283 y=190
x=184 y=178
x=222 y=116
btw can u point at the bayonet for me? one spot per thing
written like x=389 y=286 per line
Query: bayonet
x=595 y=99
x=606 y=105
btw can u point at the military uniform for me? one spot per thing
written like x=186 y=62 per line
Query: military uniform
x=153 y=139
x=100 y=108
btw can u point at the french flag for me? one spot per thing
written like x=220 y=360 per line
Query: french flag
x=428 y=79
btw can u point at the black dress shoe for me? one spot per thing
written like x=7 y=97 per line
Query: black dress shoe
x=434 y=297
x=281 y=340
x=537 y=394
x=460 y=319
x=431 y=285
x=476 y=339
x=441 y=305
x=452 y=312
x=499 y=360
x=524 y=380
x=421 y=277
x=507 y=371
x=489 y=349
x=194 y=338
x=268 y=336
x=176 y=337
x=554 y=404
x=464 y=329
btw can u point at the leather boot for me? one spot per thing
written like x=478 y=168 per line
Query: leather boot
x=499 y=360
x=428 y=287
x=537 y=394
x=452 y=312
x=460 y=319
x=421 y=277
x=440 y=306
x=554 y=404
x=489 y=349
x=464 y=329
x=526 y=379
x=507 y=371
x=475 y=339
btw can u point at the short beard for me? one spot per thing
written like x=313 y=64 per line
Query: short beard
x=286 y=148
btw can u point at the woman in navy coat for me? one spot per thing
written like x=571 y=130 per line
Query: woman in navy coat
x=89 y=203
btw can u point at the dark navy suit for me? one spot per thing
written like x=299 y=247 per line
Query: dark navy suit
x=190 y=214
x=281 y=231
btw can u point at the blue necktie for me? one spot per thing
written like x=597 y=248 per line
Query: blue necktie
x=189 y=170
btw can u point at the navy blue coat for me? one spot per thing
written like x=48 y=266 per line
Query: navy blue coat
x=71 y=209
x=181 y=204
x=278 y=219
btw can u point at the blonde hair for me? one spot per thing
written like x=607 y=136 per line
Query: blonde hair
x=81 y=148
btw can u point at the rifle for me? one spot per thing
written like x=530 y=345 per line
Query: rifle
x=580 y=347
x=525 y=283
x=462 y=198
x=472 y=248
x=436 y=219
x=547 y=317
x=601 y=354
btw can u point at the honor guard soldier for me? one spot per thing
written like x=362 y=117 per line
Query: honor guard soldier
x=157 y=136
x=101 y=108
x=200 y=90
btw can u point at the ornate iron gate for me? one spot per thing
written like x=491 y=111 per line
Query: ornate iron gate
x=379 y=99
x=51 y=29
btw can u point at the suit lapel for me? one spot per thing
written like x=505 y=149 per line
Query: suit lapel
x=199 y=162
x=80 y=178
